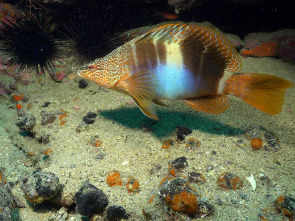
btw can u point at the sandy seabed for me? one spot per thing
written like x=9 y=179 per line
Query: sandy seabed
x=127 y=147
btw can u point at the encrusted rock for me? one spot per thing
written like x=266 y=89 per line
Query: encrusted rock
x=270 y=141
x=229 y=181
x=178 y=195
x=177 y=165
x=286 y=205
x=47 y=118
x=41 y=186
x=26 y=123
x=7 y=202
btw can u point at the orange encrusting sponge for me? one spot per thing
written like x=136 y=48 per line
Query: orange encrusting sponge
x=114 y=179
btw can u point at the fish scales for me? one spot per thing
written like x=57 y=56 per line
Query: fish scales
x=188 y=62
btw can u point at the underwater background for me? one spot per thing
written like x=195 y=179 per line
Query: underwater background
x=73 y=150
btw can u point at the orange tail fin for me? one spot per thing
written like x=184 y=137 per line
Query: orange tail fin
x=265 y=92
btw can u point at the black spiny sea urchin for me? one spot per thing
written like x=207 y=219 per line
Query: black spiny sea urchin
x=26 y=40
x=96 y=27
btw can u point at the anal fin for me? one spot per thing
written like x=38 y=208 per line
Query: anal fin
x=211 y=105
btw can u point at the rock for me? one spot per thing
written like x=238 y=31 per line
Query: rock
x=41 y=186
x=177 y=165
x=286 y=205
x=88 y=120
x=178 y=195
x=26 y=123
x=46 y=104
x=194 y=177
x=229 y=181
x=91 y=115
x=82 y=83
x=61 y=215
x=276 y=44
x=115 y=213
x=7 y=202
x=269 y=140
x=47 y=118
x=182 y=132
x=204 y=209
x=90 y=200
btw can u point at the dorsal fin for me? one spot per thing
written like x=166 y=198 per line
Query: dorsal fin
x=206 y=40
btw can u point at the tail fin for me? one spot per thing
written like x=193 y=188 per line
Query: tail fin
x=262 y=91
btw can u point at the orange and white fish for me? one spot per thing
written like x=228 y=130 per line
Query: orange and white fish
x=193 y=63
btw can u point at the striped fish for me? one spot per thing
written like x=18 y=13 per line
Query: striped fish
x=193 y=63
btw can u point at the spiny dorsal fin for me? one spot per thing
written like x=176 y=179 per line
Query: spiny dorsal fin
x=206 y=40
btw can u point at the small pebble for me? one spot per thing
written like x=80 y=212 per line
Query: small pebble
x=82 y=83
x=21 y=113
x=209 y=168
x=229 y=181
x=204 y=209
x=132 y=185
x=177 y=165
x=47 y=118
x=88 y=120
x=167 y=144
x=194 y=177
x=192 y=144
x=182 y=132
x=91 y=115
x=46 y=104
x=12 y=87
x=244 y=196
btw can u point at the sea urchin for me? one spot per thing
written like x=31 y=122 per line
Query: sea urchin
x=26 y=43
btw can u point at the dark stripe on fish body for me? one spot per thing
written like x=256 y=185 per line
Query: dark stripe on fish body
x=161 y=52
x=146 y=55
x=207 y=72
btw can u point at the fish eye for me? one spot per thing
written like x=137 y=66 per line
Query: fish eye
x=91 y=66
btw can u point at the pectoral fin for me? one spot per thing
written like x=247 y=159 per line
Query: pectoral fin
x=212 y=105
x=141 y=86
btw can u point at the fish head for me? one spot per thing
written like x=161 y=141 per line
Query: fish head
x=97 y=73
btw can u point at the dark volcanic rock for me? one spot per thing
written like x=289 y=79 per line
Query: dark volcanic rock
x=116 y=213
x=90 y=200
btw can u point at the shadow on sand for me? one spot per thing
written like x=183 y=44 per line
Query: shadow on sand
x=169 y=120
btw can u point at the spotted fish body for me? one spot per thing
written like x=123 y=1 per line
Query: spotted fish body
x=177 y=61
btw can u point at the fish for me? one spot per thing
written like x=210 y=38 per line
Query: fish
x=167 y=15
x=188 y=62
